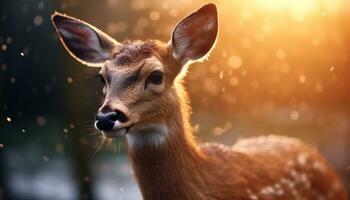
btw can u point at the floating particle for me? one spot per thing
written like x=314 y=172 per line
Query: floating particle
x=83 y=141
x=72 y=126
x=221 y=75
x=65 y=130
x=59 y=148
x=235 y=62
x=116 y=27
x=3 y=47
x=280 y=54
x=86 y=179
x=121 y=189
x=8 y=119
x=38 y=20
x=3 y=67
x=224 y=54
x=332 y=69
x=2 y=146
x=70 y=80
x=154 y=15
x=302 y=78
x=12 y=80
x=165 y=5
x=22 y=54
x=41 y=5
x=41 y=121
x=234 y=81
x=294 y=115
x=23 y=131
x=8 y=40
x=45 y=158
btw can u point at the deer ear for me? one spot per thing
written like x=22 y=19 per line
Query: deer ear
x=84 y=42
x=195 y=35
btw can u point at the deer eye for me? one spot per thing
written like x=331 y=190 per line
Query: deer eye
x=156 y=77
x=101 y=78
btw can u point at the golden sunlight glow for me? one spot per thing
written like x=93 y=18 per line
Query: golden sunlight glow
x=297 y=9
x=302 y=6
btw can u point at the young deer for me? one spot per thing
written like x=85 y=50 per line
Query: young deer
x=146 y=102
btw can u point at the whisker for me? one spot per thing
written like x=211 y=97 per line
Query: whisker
x=119 y=146
x=102 y=141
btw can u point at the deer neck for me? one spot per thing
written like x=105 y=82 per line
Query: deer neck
x=165 y=158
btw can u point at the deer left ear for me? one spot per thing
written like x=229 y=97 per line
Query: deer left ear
x=83 y=41
x=195 y=35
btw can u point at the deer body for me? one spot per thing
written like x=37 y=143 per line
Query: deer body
x=261 y=168
x=145 y=102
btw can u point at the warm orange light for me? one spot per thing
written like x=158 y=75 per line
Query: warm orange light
x=298 y=9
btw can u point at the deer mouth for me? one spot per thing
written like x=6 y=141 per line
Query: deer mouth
x=117 y=133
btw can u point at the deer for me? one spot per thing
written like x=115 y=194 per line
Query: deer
x=146 y=103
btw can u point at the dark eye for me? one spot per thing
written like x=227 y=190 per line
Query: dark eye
x=156 y=77
x=101 y=78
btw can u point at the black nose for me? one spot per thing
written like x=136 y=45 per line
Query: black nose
x=105 y=121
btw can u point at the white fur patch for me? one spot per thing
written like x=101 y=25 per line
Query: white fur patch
x=150 y=135
x=116 y=125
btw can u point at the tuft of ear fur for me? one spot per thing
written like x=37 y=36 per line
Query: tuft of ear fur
x=195 y=35
x=84 y=42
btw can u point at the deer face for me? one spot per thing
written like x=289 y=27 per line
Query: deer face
x=138 y=76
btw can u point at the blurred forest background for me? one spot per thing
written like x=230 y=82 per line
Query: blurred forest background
x=279 y=67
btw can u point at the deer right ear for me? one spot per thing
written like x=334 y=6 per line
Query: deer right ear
x=195 y=35
x=84 y=42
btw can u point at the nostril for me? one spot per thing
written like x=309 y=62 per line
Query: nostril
x=104 y=121
x=113 y=117
x=120 y=116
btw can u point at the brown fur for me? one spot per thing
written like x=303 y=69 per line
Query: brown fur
x=261 y=168
x=132 y=53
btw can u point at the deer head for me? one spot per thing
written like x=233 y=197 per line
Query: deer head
x=139 y=76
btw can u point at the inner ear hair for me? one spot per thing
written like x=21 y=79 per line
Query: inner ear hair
x=195 y=35
x=84 y=42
